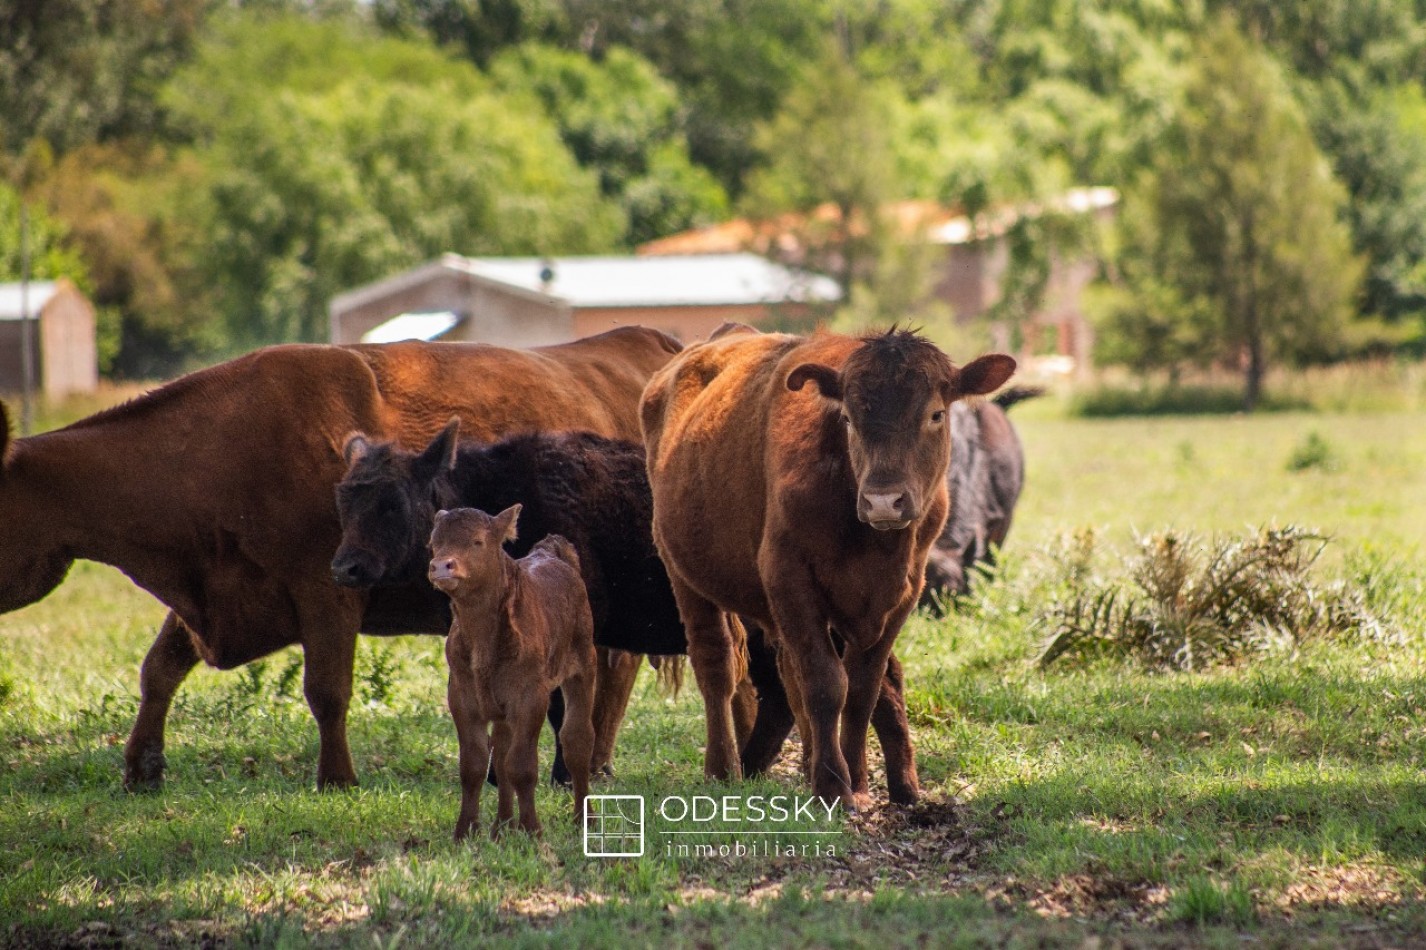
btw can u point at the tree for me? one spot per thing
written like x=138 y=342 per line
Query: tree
x=622 y=120
x=829 y=148
x=79 y=71
x=1239 y=221
x=334 y=157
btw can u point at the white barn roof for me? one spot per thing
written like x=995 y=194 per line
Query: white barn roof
x=624 y=281
x=40 y=292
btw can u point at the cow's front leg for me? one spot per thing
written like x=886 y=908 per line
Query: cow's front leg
x=893 y=731
x=816 y=684
x=327 y=683
x=866 y=671
x=169 y=661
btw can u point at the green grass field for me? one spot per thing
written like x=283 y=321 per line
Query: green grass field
x=1279 y=801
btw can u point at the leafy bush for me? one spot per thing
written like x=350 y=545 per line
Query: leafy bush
x=1312 y=452
x=1170 y=399
x=1187 y=604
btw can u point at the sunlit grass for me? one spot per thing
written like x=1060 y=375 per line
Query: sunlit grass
x=1279 y=797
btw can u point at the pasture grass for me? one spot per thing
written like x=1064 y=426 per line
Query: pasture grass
x=1278 y=799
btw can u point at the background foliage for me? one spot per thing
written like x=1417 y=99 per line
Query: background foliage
x=220 y=169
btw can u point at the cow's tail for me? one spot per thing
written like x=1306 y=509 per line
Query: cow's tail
x=1009 y=397
x=668 y=673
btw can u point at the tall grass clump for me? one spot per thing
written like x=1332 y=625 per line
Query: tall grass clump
x=1185 y=603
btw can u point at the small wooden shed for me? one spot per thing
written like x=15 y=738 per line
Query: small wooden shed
x=66 y=356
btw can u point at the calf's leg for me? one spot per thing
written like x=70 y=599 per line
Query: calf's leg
x=169 y=661
x=505 y=799
x=521 y=765
x=578 y=734
x=473 y=735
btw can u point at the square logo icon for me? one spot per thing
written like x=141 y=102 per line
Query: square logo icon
x=614 y=826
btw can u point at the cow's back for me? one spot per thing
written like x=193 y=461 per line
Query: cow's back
x=705 y=422
x=591 y=384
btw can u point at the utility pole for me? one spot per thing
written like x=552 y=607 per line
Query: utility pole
x=27 y=333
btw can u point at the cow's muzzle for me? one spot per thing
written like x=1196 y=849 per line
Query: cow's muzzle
x=886 y=510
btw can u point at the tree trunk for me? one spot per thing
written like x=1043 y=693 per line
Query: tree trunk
x=1253 y=389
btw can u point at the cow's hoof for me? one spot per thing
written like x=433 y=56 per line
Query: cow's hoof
x=904 y=794
x=146 y=773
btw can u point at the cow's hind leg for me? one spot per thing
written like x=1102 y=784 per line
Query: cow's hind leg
x=613 y=685
x=169 y=661
x=774 y=712
x=713 y=653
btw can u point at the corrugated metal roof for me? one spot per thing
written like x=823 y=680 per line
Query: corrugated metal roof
x=699 y=280
x=412 y=326
x=40 y=292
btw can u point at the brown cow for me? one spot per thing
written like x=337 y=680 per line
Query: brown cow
x=521 y=629
x=810 y=511
x=214 y=494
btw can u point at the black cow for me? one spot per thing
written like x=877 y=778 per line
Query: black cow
x=590 y=489
x=987 y=473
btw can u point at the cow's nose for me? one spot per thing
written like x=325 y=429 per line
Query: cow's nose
x=886 y=510
x=345 y=573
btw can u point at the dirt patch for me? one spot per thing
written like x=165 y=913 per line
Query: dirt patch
x=1359 y=886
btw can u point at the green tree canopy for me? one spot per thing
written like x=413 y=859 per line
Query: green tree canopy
x=1235 y=244
x=622 y=120
x=324 y=172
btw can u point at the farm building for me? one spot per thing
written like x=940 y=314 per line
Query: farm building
x=66 y=357
x=531 y=301
x=971 y=269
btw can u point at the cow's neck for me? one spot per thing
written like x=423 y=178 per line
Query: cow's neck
x=484 y=618
x=83 y=495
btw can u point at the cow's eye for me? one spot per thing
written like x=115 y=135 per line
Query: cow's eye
x=846 y=420
x=938 y=416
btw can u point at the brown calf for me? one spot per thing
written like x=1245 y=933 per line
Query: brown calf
x=520 y=630
x=810 y=510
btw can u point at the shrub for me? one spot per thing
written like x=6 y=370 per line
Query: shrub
x=1187 y=604
x=1312 y=452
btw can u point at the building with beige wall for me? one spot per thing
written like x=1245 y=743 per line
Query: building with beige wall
x=66 y=356
x=531 y=301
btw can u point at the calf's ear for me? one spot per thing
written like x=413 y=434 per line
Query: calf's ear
x=505 y=522
x=826 y=378
x=983 y=375
x=440 y=455
x=355 y=449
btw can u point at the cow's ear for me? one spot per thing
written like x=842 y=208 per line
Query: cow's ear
x=826 y=378
x=983 y=375
x=505 y=522
x=356 y=448
x=440 y=455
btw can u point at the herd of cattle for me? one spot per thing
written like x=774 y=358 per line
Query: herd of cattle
x=765 y=504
